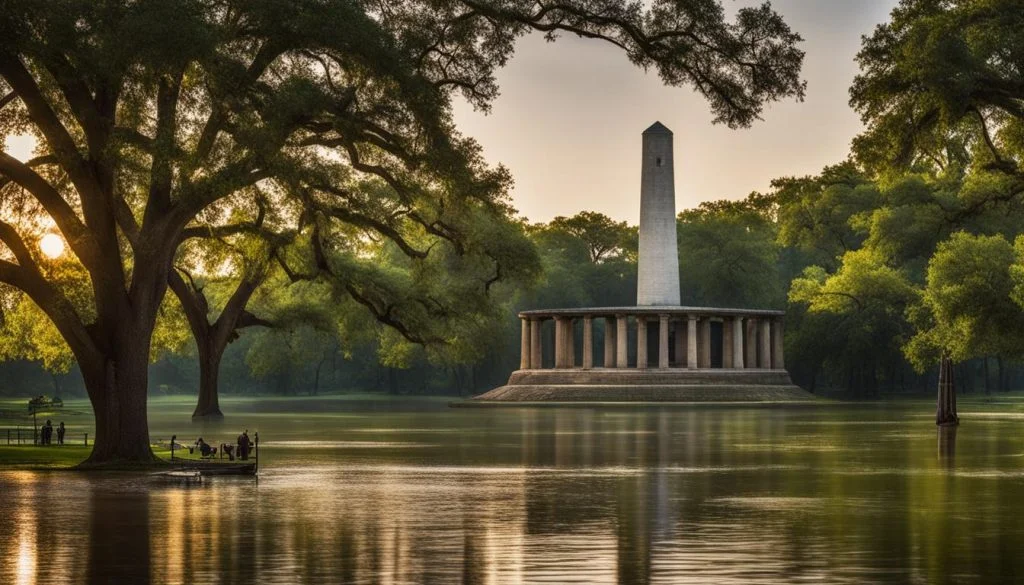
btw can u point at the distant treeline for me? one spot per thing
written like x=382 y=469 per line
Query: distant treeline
x=850 y=260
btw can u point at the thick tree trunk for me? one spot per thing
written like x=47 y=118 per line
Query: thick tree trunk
x=118 y=392
x=208 y=405
x=213 y=338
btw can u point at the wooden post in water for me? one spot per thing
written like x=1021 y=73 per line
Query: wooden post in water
x=945 y=414
x=257 y=444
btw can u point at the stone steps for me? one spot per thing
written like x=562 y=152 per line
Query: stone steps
x=632 y=377
x=648 y=393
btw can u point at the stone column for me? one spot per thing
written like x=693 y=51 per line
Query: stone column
x=663 y=341
x=588 y=342
x=561 y=360
x=750 y=345
x=727 y=356
x=704 y=343
x=778 y=363
x=621 y=337
x=524 y=345
x=570 y=340
x=764 y=354
x=641 y=342
x=737 y=343
x=691 y=342
x=680 y=335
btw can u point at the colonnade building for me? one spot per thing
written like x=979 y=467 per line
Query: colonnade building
x=658 y=350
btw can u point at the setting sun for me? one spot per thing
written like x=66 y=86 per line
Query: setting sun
x=51 y=245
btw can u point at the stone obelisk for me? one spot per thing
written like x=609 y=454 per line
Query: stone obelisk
x=658 y=271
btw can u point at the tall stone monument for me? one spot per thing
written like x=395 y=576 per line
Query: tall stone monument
x=658 y=269
x=692 y=354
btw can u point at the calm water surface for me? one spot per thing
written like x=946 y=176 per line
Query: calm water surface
x=438 y=495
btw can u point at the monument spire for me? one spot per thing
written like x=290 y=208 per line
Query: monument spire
x=702 y=354
x=658 y=270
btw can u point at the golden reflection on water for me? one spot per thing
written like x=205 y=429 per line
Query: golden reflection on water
x=26 y=526
x=542 y=496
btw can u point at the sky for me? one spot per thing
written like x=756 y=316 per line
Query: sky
x=570 y=116
x=569 y=120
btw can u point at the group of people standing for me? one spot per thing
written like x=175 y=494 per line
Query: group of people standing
x=46 y=436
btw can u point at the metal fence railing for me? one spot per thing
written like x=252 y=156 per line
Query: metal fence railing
x=30 y=436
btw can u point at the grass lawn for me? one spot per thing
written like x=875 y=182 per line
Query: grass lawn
x=67 y=456
x=38 y=457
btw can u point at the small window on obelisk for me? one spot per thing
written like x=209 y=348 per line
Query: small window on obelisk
x=657 y=161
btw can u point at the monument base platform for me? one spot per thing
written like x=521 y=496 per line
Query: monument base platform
x=651 y=385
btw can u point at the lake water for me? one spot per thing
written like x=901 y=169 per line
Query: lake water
x=431 y=494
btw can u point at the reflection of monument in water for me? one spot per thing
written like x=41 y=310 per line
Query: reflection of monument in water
x=657 y=350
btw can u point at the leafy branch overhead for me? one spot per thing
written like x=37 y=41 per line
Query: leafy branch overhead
x=162 y=120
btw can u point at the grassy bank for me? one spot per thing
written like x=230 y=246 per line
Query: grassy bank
x=173 y=415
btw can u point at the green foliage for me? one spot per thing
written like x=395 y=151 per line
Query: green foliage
x=968 y=310
x=855 y=316
x=605 y=239
x=864 y=282
x=728 y=256
x=817 y=214
x=940 y=80
x=1017 y=272
x=588 y=260
x=28 y=334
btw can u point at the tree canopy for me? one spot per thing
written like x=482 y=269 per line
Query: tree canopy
x=157 y=117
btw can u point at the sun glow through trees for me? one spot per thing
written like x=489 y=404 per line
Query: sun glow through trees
x=51 y=245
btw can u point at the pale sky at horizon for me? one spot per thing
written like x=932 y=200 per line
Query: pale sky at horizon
x=569 y=119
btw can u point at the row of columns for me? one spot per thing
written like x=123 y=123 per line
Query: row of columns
x=747 y=342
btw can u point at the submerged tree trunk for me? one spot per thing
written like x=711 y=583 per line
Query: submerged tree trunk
x=212 y=339
x=946 y=411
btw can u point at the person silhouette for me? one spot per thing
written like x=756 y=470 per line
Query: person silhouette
x=243 y=445
x=60 y=433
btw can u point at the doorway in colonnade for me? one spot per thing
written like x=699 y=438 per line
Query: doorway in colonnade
x=717 y=337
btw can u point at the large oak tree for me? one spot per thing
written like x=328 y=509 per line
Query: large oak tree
x=150 y=113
